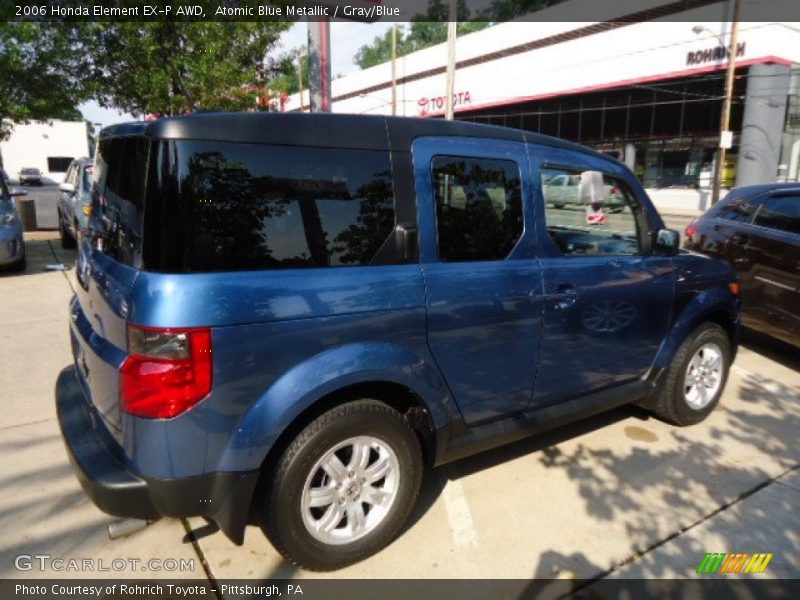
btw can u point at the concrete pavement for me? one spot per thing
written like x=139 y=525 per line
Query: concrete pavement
x=620 y=495
x=589 y=498
x=43 y=511
x=749 y=525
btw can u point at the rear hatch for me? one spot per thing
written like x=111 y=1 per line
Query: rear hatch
x=106 y=272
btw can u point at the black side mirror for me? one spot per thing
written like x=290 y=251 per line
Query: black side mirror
x=406 y=239
x=667 y=242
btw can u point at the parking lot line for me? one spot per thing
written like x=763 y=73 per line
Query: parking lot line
x=462 y=526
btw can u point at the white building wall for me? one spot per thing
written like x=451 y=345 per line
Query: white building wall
x=637 y=53
x=30 y=146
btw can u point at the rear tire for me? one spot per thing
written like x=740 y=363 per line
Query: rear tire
x=20 y=265
x=67 y=240
x=696 y=379
x=343 y=488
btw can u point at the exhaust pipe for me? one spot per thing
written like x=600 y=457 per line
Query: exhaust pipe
x=125 y=527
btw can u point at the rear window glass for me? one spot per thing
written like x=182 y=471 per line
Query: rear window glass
x=58 y=164
x=223 y=206
x=118 y=195
x=738 y=209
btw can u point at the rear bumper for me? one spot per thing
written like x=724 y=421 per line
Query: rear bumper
x=116 y=489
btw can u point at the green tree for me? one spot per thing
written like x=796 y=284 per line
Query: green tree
x=175 y=67
x=505 y=10
x=430 y=28
x=420 y=35
x=42 y=72
x=282 y=71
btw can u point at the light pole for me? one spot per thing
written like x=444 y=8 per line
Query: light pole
x=451 y=59
x=394 y=69
x=300 y=56
x=319 y=76
x=725 y=134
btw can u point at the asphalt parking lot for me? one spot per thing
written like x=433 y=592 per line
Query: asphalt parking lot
x=619 y=495
x=46 y=199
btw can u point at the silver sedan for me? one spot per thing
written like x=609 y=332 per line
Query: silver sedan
x=12 y=246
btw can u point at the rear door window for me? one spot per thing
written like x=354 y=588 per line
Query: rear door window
x=224 y=207
x=740 y=210
x=781 y=213
x=478 y=208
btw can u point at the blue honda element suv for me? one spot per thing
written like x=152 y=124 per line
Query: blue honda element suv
x=282 y=319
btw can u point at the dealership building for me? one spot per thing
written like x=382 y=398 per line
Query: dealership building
x=646 y=88
x=48 y=146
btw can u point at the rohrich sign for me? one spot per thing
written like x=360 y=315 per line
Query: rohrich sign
x=715 y=54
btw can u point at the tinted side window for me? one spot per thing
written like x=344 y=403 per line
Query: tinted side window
x=589 y=212
x=127 y=163
x=478 y=207
x=780 y=212
x=223 y=206
x=118 y=195
x=739 y=209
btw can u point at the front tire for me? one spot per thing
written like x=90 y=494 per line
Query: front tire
x=343 y=488
x=696 y=379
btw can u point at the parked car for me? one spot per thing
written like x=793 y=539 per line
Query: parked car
x=756 y=229
x=290 y=315
x=30 y=176
x=563 y=189
x=74 y=201
x=12 y=244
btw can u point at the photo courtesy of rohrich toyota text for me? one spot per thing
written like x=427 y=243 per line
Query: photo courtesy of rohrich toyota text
x=379 y=299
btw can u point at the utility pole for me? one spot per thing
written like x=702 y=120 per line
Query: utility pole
x=725 y=135
x=394 y=69
x=451 y=59
x=319 y=78
x=300 y=78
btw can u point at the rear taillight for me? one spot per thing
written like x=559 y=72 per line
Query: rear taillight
x=167 y=371
x=691 y=230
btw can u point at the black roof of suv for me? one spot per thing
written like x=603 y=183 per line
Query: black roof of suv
x=326 y=130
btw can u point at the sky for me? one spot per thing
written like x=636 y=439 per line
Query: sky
x=346 y=38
